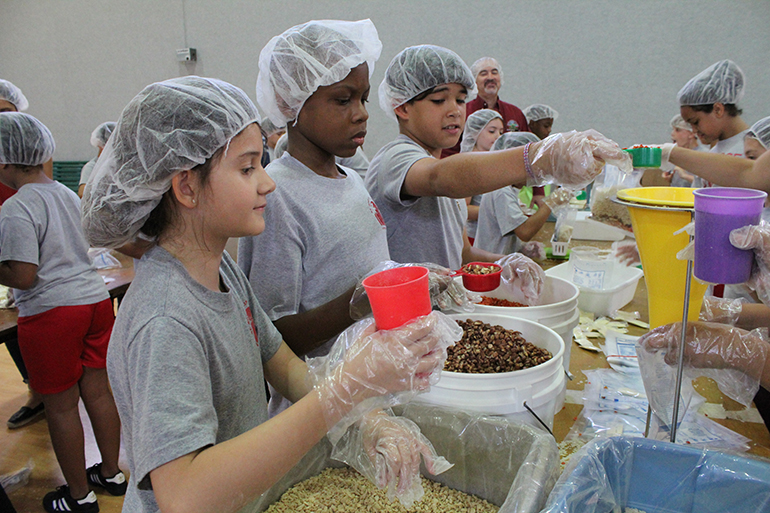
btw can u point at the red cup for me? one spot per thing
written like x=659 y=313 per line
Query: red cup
x=481 y=282
x=398 y=295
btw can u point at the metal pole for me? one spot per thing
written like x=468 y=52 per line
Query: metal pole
x=680 y=361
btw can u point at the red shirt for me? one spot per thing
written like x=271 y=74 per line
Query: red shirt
x=513 y=119
x=5 y=193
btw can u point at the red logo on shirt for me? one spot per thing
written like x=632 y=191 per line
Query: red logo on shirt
x=251 y=322
x=376 y=212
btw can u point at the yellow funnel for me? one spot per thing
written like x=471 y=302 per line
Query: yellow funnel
x=656 y=213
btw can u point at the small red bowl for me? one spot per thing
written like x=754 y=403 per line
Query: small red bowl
x=481 y=282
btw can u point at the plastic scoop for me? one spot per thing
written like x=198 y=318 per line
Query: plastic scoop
x=475 y=280
x=398 y=295
x=645 y=156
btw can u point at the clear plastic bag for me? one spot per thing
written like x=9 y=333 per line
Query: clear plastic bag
x=566 y=216
x=103 y=258
x=605 y=188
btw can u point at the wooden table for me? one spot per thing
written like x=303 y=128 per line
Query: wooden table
x=117 y=281
x=581 y=359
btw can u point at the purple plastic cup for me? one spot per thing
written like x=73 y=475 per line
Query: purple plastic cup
x=718 y=211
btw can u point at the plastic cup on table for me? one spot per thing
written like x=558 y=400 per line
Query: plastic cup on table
x=398 y=295
x=718 y=211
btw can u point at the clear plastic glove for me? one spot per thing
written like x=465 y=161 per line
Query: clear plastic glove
x=523 y=278
x=574 y=159
x=756 y=238
x=558 y=197
x=368 y=369
x=721 y=310
x=534 y=250
x=445 y=292
x=665 y=155
x=386 y=450
x=732 y=357
x=627 y=253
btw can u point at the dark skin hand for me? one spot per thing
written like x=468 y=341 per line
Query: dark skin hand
x=17 y=275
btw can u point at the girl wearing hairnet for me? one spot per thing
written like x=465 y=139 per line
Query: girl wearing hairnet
x=482 y=128
x=540 y=119
x=99 y=138
x=709 y=103
x=191 y=343
x=425 y=89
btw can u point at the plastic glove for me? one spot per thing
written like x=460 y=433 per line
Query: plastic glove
x=386 y=450
x=665 y=155
x=733 y=357
x=534 y=250
x=627 y=253
x=558 y=197
x=368 y=369
x=523 y=278
x=574 y=159
x=445 y=292
x=721 y=310
x=756 y=238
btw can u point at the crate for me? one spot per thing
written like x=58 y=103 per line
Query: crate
x=559 y=248
x=68 y=172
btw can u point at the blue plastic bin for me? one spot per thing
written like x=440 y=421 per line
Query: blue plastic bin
x=609 y=474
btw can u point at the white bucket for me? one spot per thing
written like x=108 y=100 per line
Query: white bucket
x=559 y=303
x=564 y=329
x=542 y=387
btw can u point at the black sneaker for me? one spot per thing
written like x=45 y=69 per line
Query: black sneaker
x=115 y=485
x=61 y=500
x=25 y=415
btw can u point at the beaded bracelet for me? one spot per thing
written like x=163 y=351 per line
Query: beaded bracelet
x=527 y=165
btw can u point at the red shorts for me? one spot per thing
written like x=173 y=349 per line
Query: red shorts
x=58 y=343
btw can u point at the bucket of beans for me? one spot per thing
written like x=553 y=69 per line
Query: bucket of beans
x=480 y=276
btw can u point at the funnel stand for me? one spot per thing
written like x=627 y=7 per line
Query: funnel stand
x=680 y=360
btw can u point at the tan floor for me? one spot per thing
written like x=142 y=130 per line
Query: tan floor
x=32 y=442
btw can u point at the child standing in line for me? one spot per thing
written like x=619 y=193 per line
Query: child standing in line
x=65 y=312
x=540 y=119
x=503 y=226
x=323 y=232
x=482 y=128
x=191 y=344
x=709 y=102
x=99 y=138
x=425 y=89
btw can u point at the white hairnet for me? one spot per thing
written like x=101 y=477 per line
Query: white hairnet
x=761 y=132
x=280 y=146
x=539 y=111
x=293 y=65
x=24 y=140
x=475 y=123
x=168 y=127
x=514 y=140
x=13 y=94
x=419 y=68
x=679 y=122
x=101 y=134
x=477 y=66
x=269 y=127
x=721 y=82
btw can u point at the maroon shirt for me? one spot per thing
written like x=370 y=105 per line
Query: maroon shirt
x=513 y=119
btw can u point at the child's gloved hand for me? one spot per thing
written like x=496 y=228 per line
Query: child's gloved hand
x=386 y=450
x=721 y=310
x=523 y=278
x=757 y=238
x=665 y=155
x=573 y=159
x=368 y=369
x=558 y=197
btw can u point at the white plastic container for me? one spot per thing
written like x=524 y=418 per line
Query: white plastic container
x=542 y=387
x=616 y=294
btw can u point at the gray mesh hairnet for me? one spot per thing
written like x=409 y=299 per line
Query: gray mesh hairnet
x=481 y=63
x=269 y=127
x=24 y=140
x=280 y=146
x=168 y=127
x=761 y=132
x=101 y=134
x=475 y=123
x=539 y=111
x=419 y=68
x=721 y=82
x=679 y=122
x=302 y=59
x=514 y=140
x=13 y=94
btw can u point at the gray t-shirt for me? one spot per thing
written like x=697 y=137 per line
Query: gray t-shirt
x=185 y=366
x=472 y=226
x=86 y=171
x=420 y=229
x=499 y=215
x=358 y=162
x=322 y=235
x=40 y=225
